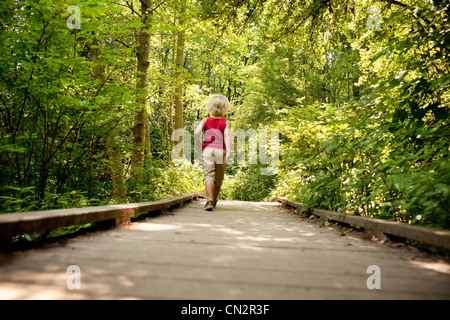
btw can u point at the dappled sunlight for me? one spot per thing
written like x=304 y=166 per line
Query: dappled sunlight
x=233 y=253
x=125 y=281
x=440 y=267
x=13 y=291
x=255 y=238
x=263 y=229
x=268 y=238
x=47 y=275
x=152 y=227
x=308 y=234
x=227 y=230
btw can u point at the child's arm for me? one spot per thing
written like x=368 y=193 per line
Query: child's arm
x=198 y=135
x=227 y=137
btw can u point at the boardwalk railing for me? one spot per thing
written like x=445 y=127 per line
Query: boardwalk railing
x=431 y=236
x=27 y=222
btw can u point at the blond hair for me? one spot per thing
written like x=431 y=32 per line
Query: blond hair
x=218 y=105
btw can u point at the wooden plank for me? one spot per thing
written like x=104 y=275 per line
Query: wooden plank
x=19 y=223
x=240 y=251
x=432 y=236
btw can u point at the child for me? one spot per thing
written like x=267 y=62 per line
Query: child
x=217 y=139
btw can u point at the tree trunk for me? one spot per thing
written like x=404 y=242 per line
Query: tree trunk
x=141 y=117
x=112 y=146
x=165 y=105
x=172 y=94
x=179 y=64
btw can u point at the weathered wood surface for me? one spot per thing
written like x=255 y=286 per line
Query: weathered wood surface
x=27 y=222
x=432 y=236
x=242 y=250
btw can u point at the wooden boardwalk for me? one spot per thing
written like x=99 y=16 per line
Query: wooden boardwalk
x=241 y=250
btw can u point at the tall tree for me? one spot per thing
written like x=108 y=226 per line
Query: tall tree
x=112 y=146
x=179 y=64
x=141 y=118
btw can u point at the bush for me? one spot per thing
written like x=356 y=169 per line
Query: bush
x=248 y=185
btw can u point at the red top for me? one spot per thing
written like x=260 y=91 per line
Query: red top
x=214 y=130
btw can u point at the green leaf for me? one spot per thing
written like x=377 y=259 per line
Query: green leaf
x=379 y=55
x=440 y=83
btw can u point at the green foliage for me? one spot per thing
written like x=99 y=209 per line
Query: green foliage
x=363 y=113
x=247 y=184
x=162 y=181
x=386 y=154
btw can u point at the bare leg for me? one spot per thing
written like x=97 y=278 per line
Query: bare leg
x=210 y=190
x=216 y=192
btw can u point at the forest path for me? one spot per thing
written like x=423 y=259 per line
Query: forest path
x=242 y=250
